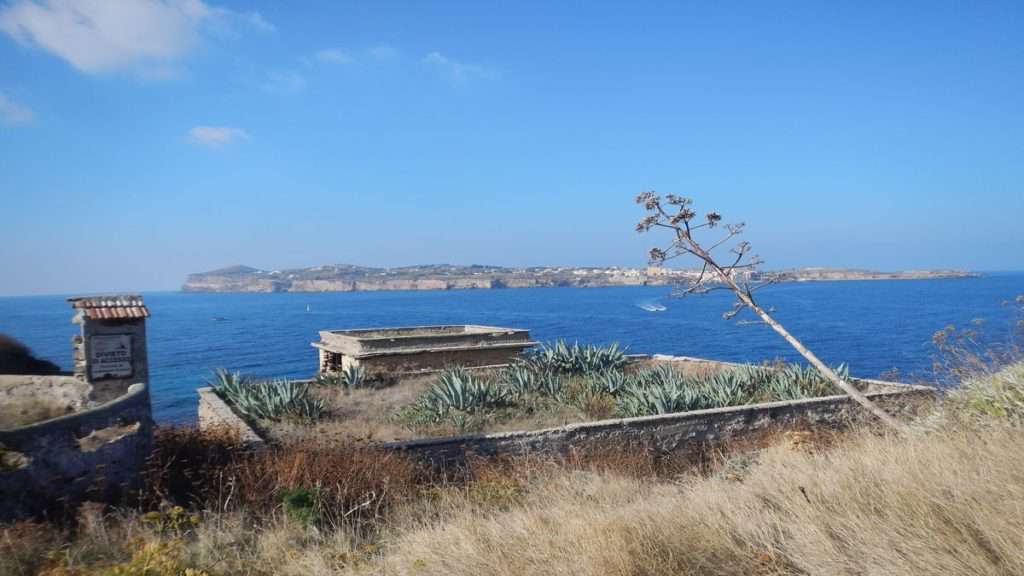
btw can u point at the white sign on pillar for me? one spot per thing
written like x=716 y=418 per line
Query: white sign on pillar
x=110 y=356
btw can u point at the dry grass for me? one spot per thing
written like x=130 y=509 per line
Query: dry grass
x=359 y=414
x=940 y=499
x=923 y=503
x=349 y=483
x=946 y=503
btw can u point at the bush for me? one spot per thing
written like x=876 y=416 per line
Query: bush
x=214 y=471
x=301 y=505
x=999 y=395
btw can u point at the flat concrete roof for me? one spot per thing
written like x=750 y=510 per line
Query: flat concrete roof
x=365 y=342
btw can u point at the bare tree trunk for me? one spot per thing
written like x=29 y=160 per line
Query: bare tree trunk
x=747 y=300
x=857 y=395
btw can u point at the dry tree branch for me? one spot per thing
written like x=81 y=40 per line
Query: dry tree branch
x=736 y=276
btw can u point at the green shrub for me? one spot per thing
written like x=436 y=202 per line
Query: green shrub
x=301 y=505
x=999 y=395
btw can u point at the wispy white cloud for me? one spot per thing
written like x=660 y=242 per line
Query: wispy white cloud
x=382 y=52
x=334 y=56
x=98 y=36
x=216 y=136
x=14 y=114
x=459 y=70
x=283 y=81
x=257 y=21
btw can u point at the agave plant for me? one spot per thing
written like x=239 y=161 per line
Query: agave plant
x=551 y=385
x=330 y=380
x=563 y=358
x=519 y=379
x=640 y=400
x=610 y=382
x=267 y=399
x=660 y=389
x=794 y=381
x=727 y=388
x=458 y=389
x=353 y=376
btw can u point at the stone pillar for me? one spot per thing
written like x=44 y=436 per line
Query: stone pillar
x=110 y=353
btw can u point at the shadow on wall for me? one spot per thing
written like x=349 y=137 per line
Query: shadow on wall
x=16 y=358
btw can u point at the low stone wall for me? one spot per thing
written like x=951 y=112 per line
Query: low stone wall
x=94 y=453
x=668 y=433
x=215 y=413
x=26 y=399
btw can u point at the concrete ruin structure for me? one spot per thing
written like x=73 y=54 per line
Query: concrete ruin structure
x=84 y=435
x=678 y=433
x=419 y=348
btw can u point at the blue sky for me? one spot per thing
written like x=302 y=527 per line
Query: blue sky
x=143 y=140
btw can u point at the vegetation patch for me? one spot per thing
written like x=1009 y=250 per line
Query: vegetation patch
x=267 y=399
x=574 y=382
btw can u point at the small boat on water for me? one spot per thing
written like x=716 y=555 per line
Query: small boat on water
x=652 y=307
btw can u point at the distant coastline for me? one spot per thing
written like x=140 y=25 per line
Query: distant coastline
x=348 y=278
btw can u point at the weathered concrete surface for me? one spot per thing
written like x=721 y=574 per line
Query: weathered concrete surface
x=28 y=399
x=381 y=351
x=215 y=413
x=94 y=453
x=668 y=433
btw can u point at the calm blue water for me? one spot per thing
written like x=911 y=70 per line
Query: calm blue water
x=874 y=326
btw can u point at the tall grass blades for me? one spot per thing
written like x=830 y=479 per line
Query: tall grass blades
x=999 y=395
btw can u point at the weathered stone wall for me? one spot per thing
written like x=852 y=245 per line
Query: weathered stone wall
x=28 y=399
x=434 y=360
x=109 y=388
x=215 y=413
x=669 y=433
x=94 y=453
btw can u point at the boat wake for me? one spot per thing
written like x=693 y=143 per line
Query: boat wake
x=651 y=306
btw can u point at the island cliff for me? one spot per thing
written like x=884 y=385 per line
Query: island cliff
x=348 y=278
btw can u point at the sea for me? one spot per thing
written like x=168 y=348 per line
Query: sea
x=874 y=326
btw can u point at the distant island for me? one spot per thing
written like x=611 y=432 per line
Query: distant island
x=348 y=278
